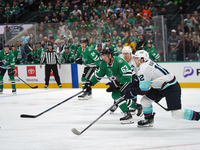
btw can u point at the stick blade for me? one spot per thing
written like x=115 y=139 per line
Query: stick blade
x=27 y=116
x=75 y=131
x=35 y=87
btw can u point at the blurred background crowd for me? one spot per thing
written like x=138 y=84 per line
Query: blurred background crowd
x=169 y=30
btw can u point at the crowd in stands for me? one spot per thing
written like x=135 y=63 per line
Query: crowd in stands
x=116 y=22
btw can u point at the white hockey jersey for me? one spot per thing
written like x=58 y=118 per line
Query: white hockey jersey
x=131 y=63
x=151 y=74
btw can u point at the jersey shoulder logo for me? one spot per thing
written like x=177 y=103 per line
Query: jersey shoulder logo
x=120 y=61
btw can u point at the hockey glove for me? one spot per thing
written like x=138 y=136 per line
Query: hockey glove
x=79 y=61
x=113 y=85
x=11 y=71
x=1 y=63
x=87 y=87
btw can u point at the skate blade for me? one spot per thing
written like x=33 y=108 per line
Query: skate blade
x=130 y=121
x=14 y=92
x=84 y=98
x=145 y=126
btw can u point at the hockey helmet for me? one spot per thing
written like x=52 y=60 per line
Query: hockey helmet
x=106 y=51
x=6 y=45
x=127 y=49
x=150 y=42
x=142 y=54
x=83 y=40
x=66 y=47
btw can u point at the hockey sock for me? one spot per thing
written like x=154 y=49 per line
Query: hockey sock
x=123 y=106
x=12 y=79
x=147 y=111
x=191 y=115
x=131 y=103
x=1 y=82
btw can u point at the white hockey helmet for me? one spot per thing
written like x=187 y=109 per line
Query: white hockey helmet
x=127 y=49
x=142 y=54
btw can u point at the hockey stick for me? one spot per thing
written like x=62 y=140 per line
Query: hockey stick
x=166 y=109
x=35 y=116
x=75 y=131
x=22 y=80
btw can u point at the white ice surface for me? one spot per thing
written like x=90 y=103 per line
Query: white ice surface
x=52 y=130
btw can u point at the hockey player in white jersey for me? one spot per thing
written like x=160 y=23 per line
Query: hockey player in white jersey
x=131 y=102
x=163 y=84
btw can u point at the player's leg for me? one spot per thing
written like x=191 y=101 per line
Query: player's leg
x=133 y=106
x=123 y=106
x=2 y=72
x=173 y=99
x=56 y=75
x=47 y=75
x=12 y=79
x=87 y=73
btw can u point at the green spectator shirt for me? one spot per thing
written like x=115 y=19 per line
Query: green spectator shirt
x=115 y=40
x=153 y=55
x=42 y=8
x=113 y=48
x=67 y=58
x=15 y=9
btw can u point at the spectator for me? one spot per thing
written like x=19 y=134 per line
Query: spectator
x=40 y=38
x=112 y=47
x=131 y=19
x=76 y=2
x=46 y=20
x=49 y=27
x=119 y=47
x=141 y=44
x=25 y=38
x=146 y=12
x=148 y=29
x=57 y=9
x=138 y=28
x=42 y=7
x=118 y=8
x=195 y=48
x=115 y=38
x=45 y=42
x=76 y=10
x=139 y=18
x=22 y=6
x=49 y=7
x=57 y=36
x=1 y=15
x=155 y=12
x=63 y=17
x=124 y=37
x=136 y=5
x=131 y=44
x=7 y=15
x=150 y=48
x=8 y=34
x=53 y=18
x=31 y=40
x=86 y=5
x=67 y=56
x=112 y=6
x=15 y=11
x=179 y=30
x=173 y=54
x=71 y=17
x=127 y=8
x=2 y=3
x=60 y=43
x=173 y=39
x=189 y=22
x=22 y=51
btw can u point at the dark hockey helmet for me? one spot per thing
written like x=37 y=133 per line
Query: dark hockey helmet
x=150 y=42
x=6 y=45
x=106 y=51
x=83 y=40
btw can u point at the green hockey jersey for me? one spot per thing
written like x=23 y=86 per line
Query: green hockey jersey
x=8 y=60
x=113 y=48
x=17 y=56
x=120 y=70
x=67 y=58
x=153 y=55
x=89 y=56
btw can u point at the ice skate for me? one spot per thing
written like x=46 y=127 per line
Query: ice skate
x=89 y=94
x=45 y=87
x=132 y=111
x=84 y=96
x=14 y=91
x=112 y=110
x=139 y=110
x=60 y=86
x=148 y=122
x=127 y=119
x=1 y=91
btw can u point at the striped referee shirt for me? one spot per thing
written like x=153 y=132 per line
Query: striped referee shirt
x=50 y=58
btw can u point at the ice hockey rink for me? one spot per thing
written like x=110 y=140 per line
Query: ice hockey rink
x=52 y=130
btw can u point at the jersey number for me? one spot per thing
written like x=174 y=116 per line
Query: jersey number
x=163 y=70
x=141 y=77
x=124 y=69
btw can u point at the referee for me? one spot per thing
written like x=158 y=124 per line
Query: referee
x=51 y=58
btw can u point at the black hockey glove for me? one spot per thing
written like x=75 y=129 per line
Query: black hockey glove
x=17 y=61
x=11 y=71
x=1 y=63
x=79 y=61
x=87 y=87
x=113 y=85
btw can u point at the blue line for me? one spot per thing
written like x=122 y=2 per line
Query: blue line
x=74 y=73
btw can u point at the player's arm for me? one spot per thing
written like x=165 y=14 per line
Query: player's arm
x=95 y=57
x=126 y=73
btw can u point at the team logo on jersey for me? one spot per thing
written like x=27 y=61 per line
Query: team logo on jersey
x=120 y=61
x=31 y=71
x=16 y=70
x=187 y=71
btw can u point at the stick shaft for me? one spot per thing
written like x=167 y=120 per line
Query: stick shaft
x=35 y=116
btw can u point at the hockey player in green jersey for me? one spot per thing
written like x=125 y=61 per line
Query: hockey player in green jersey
x=17 y=54
x=86 y=55
x=7 y=61
x=153 y=55
x=67 y=56
x=34 y=56
x=39 y=50
x=112 y=47
x=119 y=73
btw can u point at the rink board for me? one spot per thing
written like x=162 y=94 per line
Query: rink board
x=187 y=73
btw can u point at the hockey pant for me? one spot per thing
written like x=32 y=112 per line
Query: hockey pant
x=12 y=79
x=87 y=73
